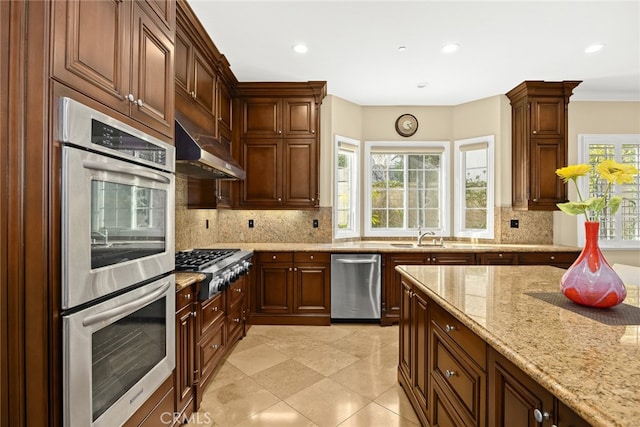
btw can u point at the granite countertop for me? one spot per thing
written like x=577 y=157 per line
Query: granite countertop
x=394 y=246
x=593 y=367
x=187 y=279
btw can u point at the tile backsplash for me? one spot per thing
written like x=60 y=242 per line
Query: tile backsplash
x=205 y=227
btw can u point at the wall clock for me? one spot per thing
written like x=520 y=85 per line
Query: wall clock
x=406 y=125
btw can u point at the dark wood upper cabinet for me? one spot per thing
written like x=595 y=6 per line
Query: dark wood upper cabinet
x=279 y=142
x=539 y=143
x=119 y=53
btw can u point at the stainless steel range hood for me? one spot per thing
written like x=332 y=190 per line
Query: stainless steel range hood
x=204 y=157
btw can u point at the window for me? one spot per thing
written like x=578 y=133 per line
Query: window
x=346 y=203
x=474 y=188
x=621 y=230
x=407 y=188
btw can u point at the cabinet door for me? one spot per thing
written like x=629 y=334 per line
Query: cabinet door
x=547 y=117
x=555 y=259
x=185 y=357
x=224 y=110
x=261 y=117
x=153 y=82
x=405 y=345
x=568 y=418
x=165 y=12
x=91 y=47
x=547 y=189
x=514 y=397
x=263 y=160
x=392 y=289
x=299 y=117
x=420 y=350
x=183 y=50
x=311 y=292
x=274 y=288
x=300 y=179
x=203 y=90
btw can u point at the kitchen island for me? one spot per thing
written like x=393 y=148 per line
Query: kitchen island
x=588 y=361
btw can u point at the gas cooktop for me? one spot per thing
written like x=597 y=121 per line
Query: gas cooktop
x=199 y=259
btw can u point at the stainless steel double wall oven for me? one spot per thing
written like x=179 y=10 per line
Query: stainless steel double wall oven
x=118 y=290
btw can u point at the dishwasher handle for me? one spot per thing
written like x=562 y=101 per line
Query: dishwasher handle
x=355 y=261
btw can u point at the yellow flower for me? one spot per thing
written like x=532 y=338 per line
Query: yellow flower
x=573 y=172
x=593 y=207
x=614 y=172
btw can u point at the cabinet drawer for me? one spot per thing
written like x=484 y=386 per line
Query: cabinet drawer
x=275 y=257
x=211 y=311
x=211 y=349
x=320 y=257
x=468 y=341
x=498 y=258
x=463 y=381
x=547 y=258
x=184 y=298
x=234 y=320
x=236 y=291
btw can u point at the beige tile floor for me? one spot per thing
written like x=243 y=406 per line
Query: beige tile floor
x=340 y=375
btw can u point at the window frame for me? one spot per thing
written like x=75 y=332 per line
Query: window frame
x=354 y=146
x=445 y=179
x=459 y=188
x=584 y=142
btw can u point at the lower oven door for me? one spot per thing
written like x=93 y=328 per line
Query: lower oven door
x=117 y=353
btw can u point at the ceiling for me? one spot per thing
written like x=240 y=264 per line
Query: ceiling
x=353 y=45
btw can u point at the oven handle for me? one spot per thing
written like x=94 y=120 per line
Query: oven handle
x=129 y=307
x=100 y=166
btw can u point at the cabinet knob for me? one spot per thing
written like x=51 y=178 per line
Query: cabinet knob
x=313 y=131
x=194 y=314
x=215 y=346
x=279 y=199
x=428 y=259
x=274 y=257
x=450 y=328
x=139 y=103
x=187 y=296
x=535 y=200
x=541 y=416
x=499 y=255
x=193 y=94
x=238 y=290
x=214 y=308
x=131 y=98
x=295 y=268
x=313 y=199
x=219 y=119
x=449 y=373
x=279 y=132
x=311 y=257
x=535 y=131
x=237 y=320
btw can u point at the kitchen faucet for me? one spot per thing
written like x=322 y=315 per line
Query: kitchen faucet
x=428 y=233
x=104 y=235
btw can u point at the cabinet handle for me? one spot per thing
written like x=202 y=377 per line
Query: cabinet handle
x=279 y=199
x=238 y=290
x=311 y=257
x=139 y=103
x=449 y=373
x=237 y=320
x=290 y=268
x=214 y=308
x=313 y=131
x=428 y=259
x=553 y=257
x=313 y=199
x=131 y=98
x=187 y=296
x=194 y=313
x=450 y=328
x=295 y=268
x=274 y=257
x=219 y=119
x=535 y=131
x=215 y=346
x=535 y=200
x=499 y=255
x=279 y=132
x=541 y=416
x=193 y=94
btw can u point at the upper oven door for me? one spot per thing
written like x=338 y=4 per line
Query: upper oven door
x=117 y=225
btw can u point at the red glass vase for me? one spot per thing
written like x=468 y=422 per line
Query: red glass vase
x=590 y=280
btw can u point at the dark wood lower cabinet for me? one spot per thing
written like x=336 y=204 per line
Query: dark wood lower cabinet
x=158 y=410
x=453 y=378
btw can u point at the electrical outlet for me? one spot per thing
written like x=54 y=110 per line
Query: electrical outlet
x=315 y=223
x=515 y=223
x=206 y=223
x=250 y=223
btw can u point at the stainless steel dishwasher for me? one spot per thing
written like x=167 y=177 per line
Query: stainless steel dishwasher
x=355 y=286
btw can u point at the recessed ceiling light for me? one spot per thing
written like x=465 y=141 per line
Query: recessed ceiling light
x=402 y=48
x=422 y=85
x=299 y=48
x=594 y=48
x=450 y=48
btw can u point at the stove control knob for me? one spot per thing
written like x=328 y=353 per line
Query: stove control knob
x=246 y=265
